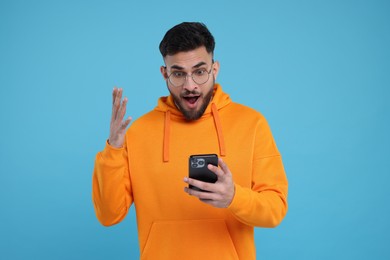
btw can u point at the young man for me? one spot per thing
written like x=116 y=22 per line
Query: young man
x=146 y=164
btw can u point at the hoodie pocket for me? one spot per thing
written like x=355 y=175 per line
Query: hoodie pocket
x=190 y=239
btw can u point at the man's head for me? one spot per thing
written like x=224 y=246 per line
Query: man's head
x=190 y=70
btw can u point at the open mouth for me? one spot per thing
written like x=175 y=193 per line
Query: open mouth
x=191 y=100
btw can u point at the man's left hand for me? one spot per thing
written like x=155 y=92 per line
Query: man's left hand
x=220 y=194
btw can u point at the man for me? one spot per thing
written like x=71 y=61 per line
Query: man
x=146 y=164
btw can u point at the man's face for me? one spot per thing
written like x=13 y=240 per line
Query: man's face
x=190 y=97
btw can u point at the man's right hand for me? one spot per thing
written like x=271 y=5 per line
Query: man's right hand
x=117 y=125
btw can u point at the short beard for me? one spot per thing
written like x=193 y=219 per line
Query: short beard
x=194 y=115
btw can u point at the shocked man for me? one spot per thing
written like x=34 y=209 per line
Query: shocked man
x=147 y=164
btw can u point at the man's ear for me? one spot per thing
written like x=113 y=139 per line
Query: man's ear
x=216 y=67
x=163 y=71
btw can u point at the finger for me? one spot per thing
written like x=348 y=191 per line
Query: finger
x=210 y=202
x=200 y=184
x=200 y=194
x=115 y=103
x=114 y=94
x=119 y=94
x=126 y=122
x=122 y=110
x=118 y=99
x=223 y=166
x=113 y=114
x=216 y=170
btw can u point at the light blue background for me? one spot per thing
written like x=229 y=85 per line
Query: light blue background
x=318 y=70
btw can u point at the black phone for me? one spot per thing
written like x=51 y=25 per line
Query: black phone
x=198 y=168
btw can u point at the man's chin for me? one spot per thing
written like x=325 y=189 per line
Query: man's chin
x=191 y=115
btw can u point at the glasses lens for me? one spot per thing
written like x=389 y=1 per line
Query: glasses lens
x=177 y=81
x=177 y=78
x=200 y=76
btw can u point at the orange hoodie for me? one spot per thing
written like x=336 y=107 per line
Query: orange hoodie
x=149 y=170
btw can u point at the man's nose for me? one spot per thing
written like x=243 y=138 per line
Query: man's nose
x=189 y=83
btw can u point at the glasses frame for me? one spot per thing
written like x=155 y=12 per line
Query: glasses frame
x=190 y=75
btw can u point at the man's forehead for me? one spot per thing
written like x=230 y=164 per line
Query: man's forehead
x=188 y=60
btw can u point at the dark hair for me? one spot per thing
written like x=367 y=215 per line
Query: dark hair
x=186 y=37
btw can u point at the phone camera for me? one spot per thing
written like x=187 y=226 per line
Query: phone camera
x=198 y=162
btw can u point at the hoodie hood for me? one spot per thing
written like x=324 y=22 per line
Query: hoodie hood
x=167 y=105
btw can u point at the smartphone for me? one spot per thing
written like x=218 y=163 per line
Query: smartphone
x=198 y=168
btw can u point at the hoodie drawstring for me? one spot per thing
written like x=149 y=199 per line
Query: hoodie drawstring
x=167 y=128
x=218 y=127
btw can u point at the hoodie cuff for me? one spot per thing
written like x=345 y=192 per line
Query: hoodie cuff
x=239 y=200
x=112 y=154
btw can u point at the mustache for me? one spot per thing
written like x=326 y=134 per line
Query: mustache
x=186 y=92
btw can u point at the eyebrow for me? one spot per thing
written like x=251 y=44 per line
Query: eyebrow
x=194 y=67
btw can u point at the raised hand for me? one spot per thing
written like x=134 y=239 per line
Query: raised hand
x=118 y=125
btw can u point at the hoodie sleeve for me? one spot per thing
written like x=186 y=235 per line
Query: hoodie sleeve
x=265 y=203
x=111 y=188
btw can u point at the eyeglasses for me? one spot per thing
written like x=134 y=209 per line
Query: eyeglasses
x=199 y=76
